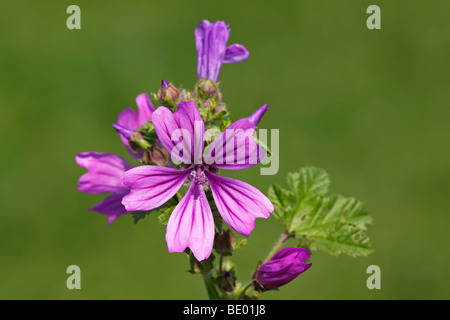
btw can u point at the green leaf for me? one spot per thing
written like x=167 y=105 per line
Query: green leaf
x=240 y=243
x=163 y=218
x=308 y=183
x=139 y=215
x=333 y=224
x=164 y=212
x=280 y=199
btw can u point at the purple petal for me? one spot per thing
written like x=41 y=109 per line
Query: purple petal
x=257 y=115
x=186 y=127
x=300 y=253
x=235 y=148
x=130 y=120
x=164 y=84
x=238 y=203
x=111 y=207
x=105 y=172
x=235 y=53
x=145 y=109
x=210 y=40
x=151 y=186
x=126 y=133
x=284 y=266
x=191 y=224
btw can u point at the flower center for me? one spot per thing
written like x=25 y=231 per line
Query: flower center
x=198 y=176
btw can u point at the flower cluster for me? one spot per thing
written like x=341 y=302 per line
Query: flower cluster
x=165 y=166
x=184 y=142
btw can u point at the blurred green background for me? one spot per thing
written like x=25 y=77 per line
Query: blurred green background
x=369 y=106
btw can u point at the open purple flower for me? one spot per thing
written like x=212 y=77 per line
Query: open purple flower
x=286 y=265
x=211 y=44
x=191 y=223
x=128 y=121
x=105 y=174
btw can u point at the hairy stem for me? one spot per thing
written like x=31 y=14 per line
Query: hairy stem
x=283 y=238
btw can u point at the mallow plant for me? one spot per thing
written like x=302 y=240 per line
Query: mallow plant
x=179 y=150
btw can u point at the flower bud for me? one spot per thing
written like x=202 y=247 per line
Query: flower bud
x=284 y=267
x=224 y=241
x=206 y=88
x=168 y=94
x=227 y=281
x=200 y=267
x=220 y=110
x=156 y=154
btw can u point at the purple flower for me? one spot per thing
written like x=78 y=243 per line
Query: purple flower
x=128 y=121
x=105 y=174
x=211 y=44
x=191 y=223
x=286 y=265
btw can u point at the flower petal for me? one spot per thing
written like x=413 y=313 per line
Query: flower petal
x=235 y=53
x=128 y=121
x=105 y=172
x=257 y=115
x=285 y=266
x=235 y=148
x=191 y=224
x=210 y=40
x=181 y=133
x=145 y=109
x=111 y=207
x=151 y=186
x=238 y=203
x=301 y=254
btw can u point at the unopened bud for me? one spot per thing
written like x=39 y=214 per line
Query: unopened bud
x=156 y=154
x=168 y=94
x=226 y=282
x=201 y=267
x=220 y=110
x=206 y=88
x=224 y=241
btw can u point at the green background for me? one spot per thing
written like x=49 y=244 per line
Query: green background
x=369 y=106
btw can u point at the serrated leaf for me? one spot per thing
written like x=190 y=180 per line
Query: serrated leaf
x=281 y=200
x=334 y=224
x=308 y=183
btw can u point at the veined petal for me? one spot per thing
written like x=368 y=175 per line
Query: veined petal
x=151 y=186
x=111 y=207
x=238 y=203
x=105 y=172
x=210 y=40
x=235 y=53
x=235 y=148
x=181 y=133
x=191 y=224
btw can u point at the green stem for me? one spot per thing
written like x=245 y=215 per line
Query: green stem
x=283 y=238
x=244 y=291
x=211 y=287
